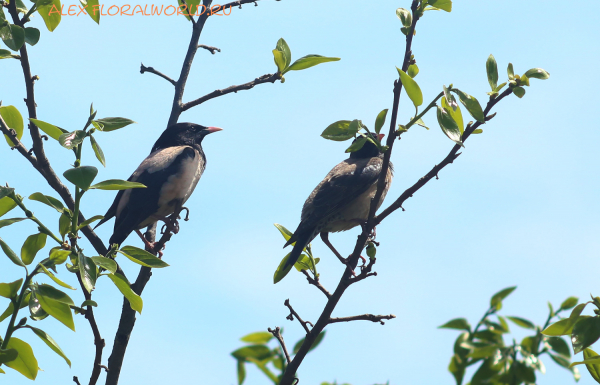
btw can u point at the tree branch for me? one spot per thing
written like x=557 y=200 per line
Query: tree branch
x=363 y=317
x=316 y=283
x=293 y=313
x=277 y=334
x=209 y=48
x=239 y=4
x=449 y=159
x=155 y=72
x=268 y=78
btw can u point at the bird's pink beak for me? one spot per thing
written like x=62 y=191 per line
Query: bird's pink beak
x=213 y=129
x=380 y=136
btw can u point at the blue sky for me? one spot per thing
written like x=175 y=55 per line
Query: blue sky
x=519 y=207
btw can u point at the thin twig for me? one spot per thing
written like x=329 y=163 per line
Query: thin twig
x=143 y=69
x=209 y=48
x=76 y=380
x=239 y=4
x=316 y=283
x=363 y=317
x=268 y=78
x=277 y=334
x=293 y=313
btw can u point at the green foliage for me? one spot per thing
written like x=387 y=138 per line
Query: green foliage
x=271 y=361
x=501 y=363
x=282 y=55
x=13 y=119
x=305 y=262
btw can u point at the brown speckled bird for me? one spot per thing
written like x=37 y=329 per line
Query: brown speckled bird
x=342 y=200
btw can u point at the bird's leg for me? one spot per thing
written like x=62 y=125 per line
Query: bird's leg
x=372 y=235
x=149 y=245
x=325 y=238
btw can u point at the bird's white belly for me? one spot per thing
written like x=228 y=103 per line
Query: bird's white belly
x=180 y=186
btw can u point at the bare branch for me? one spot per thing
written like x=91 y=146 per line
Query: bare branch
x=293 y=313
x=363 y=317
x=365 y=273
x=76 y=380
x=209 y=48
x=239 y=4
x=315 y=282
x=268 y=78
x=12 y=134
x=277 y=334
x=155 y=72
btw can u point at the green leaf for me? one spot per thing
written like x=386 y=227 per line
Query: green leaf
x=192 y=8
x=32 y=245
x=89 y=221
x=57 y=308
x=450 y=99
x=561 y=328
x=81 y=177
x=477 y=131
x=35 y=309
x=50 y=342
x=93 y=9
x=519 y=92
x=413 y=70
x=6 y=204
x=142 y=257
x=303 y=263
x=88 y=271
x=455 y=113
x=70 y=140
x=492 y=72
x=51 y=14
x=483 y=352
x=64 y=225
x=449 y=125
x=258 y=352
x=8 y=312
x=499 y=297
x=13 y=119
x=287 y=234
x=55 y=279
x=472 y=105
x=6 y=54
x=8 y=222
x=585 y=332
x=8 y=355
x=135 y=301
x=10 y=290
x=241 y=371
x=522 y=322
x=405 y=17
x=13 y=36
x=25 y=363
x=116 y=184
x=380 y=120
x=341 y=130
x=592 y=367
x=54 y=294
x=48 y=200
x=457 y=323
x=444 y=5
x=257 y=338
x=279 y=60
x=20 y=6
x=283 y=47
x=560 y=360
x=559 y=346
x=411 y=87
x=537 y=73
x=51 y=130
x=314 y=345
x=89 y=302
x=569 y=303
x=10 y=254
x=97 y=151
x=510 y=71
x=309 y=61
x=357 y=144
x=111 y=124
x=105 y=263
x=6 y=191
x=457 y=368
x=32 y=35
x=282 y=270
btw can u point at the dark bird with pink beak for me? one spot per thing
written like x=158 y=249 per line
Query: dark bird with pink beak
x=170 y=174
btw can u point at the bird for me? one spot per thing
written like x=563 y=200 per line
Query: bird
x=341 y=201
x=170 y=174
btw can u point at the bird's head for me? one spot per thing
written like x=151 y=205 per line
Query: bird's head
x=369 y=149
x=183 y=134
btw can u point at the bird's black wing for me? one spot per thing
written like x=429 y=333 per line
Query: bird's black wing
x=137 y=205
x=344 y=183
